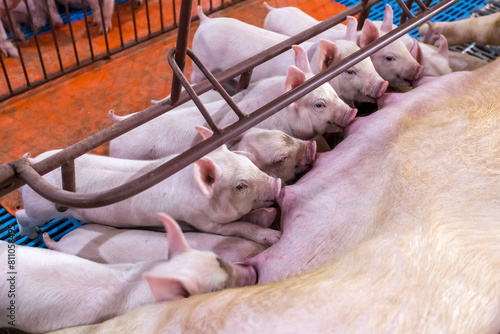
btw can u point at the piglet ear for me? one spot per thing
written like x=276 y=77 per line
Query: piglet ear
x=249 y=155
x=416 y=52
x=294 y=78
x=166 y=288
x=206 y=173
x=204 y=132
x=352 y=26
x=177 y=243
x=328 y=54
x=443 y=47
x=388 y=17
x=368 y=34
x=301 y=60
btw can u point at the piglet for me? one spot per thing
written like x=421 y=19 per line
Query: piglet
x=276 y=153
x=107 y=11
x=393 y=62
x=211 y=195
x=106 y=244
x=55 y=290
x=223 y=42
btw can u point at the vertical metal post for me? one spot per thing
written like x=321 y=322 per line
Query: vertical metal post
x=33 y=30
x=68 y=15
x=53 y=30
x=84 y=9
x=68 y=181
x=364 y=14
x=5 y=74
x=103 y=25
x=181 y=45
x=15 y=39
x=119 y=22
x=161 y=16
x=174 y=12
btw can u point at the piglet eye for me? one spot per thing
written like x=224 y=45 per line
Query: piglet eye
x=389 y=58
x=280 y=161
x=319 y=105
x=351 y=71
x=241 y=186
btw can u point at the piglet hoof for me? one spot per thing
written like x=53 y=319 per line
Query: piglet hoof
x=108 y=28
x=30 y=233
x=57 y=22
x=8 y=49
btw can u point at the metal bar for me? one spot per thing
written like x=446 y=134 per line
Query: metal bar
x=147 y=17
x=9 y=181
x=178 y=73
x=71 y=32
x=133 y=19
x=181 y=46
x=68 y=176
x=52 y=29
x=174 y=13
x=364 y=14
x=406 y=11
x=33 y=30
x=5 y=74
x=119 y=22
x=161 y=15
x=16 y=43
x=421 y=5
x=103 y=25
x=210 y=78
x=244 y=80
x=84 y=9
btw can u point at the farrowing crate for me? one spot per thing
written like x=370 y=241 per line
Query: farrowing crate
x=52 y=53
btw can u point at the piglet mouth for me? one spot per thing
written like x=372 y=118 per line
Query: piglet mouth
x=269 y=203
x=336 y=124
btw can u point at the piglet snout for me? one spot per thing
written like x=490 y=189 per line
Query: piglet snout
x=349 y=117
x=311 y=153
x=243 y=275
x=277 y=188
x=419 y=72
x=382 y=88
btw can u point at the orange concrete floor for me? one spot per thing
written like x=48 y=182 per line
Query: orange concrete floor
x=66 y=110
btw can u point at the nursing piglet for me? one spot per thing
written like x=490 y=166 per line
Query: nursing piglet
x=210 y=194
x=393 y=62
x=276 y=153
x=106 y=244
x=360 y=83
x=435 y=62
x=318 y=112
x=54 y=290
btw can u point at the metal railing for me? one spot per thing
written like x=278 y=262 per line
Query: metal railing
x=19 y=172
x=44 y=58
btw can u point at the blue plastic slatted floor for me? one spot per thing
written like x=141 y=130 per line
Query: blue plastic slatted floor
x=458 y=11
x=56 y=228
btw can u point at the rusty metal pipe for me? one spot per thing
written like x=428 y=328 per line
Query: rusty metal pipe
x=181 y=46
